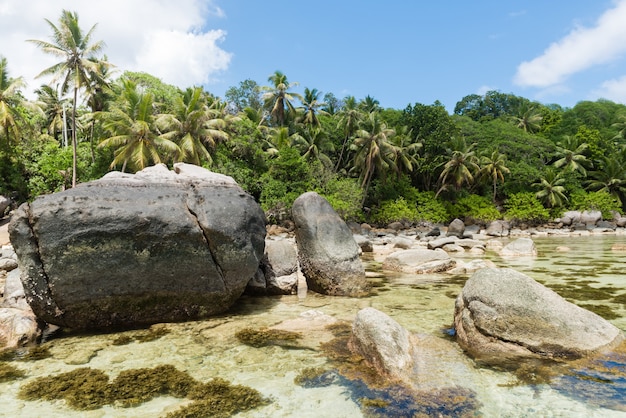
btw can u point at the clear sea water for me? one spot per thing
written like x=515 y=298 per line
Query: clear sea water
x=590 y=271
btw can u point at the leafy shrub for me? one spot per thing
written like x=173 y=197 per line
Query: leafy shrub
x=345 y=196
x=525 y=207
x=429 y=208
x=391 y=188
x=475 y=207
x=423 y=206
x=288 y=177
x=395 y=210
x=600 y=200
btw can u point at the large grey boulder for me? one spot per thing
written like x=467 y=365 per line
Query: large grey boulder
x=590 y=217
x=456 y=228
x=570 y=217
x=130 y=250
x=501 y=313
x=328 y=253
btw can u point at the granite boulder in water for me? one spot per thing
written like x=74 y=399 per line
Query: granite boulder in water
x=502 y=314
x=136 y=249
x=328 y=254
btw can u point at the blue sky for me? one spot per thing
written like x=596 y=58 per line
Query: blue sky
x=399 y=52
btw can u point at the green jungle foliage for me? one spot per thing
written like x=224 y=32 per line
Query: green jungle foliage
x=373 y=164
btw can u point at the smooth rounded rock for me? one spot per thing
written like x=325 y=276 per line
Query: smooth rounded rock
x=502 y=313
x=327 y=251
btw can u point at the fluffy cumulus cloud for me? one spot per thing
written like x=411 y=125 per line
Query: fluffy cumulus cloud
x=614 y=90
x=167 y=39
x=581 y=49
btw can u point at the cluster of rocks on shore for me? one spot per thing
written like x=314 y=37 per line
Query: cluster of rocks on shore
x=163 y=246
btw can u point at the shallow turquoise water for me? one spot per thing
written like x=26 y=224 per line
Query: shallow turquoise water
x=424 y=304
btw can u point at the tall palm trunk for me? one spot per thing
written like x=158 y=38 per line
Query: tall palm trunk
x=74 y=141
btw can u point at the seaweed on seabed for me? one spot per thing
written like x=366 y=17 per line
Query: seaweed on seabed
x=33 y=353
x=400 y=401
x=87 y=388
x=9 y=372
x=38 y=352
x=219 y=399
x=83 y=388
x=315 y=377
x=153 y=333
x=136 y=386
x=265 y=336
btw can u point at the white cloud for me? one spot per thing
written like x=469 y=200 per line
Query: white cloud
x=579 y=50
x=167 y=39
x=614 y=90
x=484 y=89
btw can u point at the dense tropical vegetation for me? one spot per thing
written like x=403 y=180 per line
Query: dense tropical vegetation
x=497 y=156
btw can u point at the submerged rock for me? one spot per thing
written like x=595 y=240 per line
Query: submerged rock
x=519 y=247
x=382 y=342
x=402 y=374
x=419 y=261
x=129 y=250
x=501 y=313
x=327 y=251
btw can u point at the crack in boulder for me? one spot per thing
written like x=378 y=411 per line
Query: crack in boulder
x=39 y=295
x=206 y=240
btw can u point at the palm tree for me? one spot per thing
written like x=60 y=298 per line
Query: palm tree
x=349 y=118
x=494 y=167
x=53 y=105
x=369 y=104
x=78 y=66
x=406 y=149
x=551 y=190
x=610 y=177
x=621 y=126
x=528 y=119
x=571 y=153
x=278 y=98
x=312 y=144
x=461 y=166
x=279 y=138
x=132 y=129
x=311 y=107
x=373 y=150
x=10 y=98
x=192 y=126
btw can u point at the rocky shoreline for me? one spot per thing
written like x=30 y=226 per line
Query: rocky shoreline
x=499 y=314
